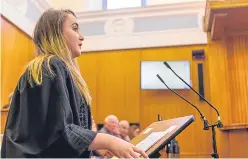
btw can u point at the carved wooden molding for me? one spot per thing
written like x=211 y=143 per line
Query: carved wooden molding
x=234 y=127
x=122 y=29
x=225 y=18
x=218 y=26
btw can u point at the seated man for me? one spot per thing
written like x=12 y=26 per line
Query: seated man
x=124 y=128
x=111 y=126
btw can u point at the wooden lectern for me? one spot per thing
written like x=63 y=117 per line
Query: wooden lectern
x=157 y=135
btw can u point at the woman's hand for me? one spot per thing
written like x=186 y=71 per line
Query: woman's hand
x=118 y=147
x=108 y=154
x=123 y=149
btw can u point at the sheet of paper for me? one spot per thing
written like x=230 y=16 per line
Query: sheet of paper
x=171 y=128
x=147 y=130
x=153 y=138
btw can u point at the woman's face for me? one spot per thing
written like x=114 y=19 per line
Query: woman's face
x=72 y=35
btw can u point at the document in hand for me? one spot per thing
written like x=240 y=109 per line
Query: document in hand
x=153 y=138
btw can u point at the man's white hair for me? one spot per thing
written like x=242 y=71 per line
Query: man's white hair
x=111 y=118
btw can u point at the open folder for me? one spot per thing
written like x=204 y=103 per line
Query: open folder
x=157 y=135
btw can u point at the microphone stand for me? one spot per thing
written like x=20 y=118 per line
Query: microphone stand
x=206 y=124
x=220 y=125
x=212 y=126
x=205 y=121
x=215 y=153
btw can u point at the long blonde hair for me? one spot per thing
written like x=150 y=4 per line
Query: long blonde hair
x=49 y=42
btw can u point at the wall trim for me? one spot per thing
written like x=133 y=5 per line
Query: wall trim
x=131 y=40
x=145 y=40
x=128 y=39
x=168 y=9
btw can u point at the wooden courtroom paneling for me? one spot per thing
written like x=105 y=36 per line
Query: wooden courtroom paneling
x=238 y=143
x=17 y=50
x=237 y=56
x=113 y=79
x=219 y=89
x=237 y=49
x=228 y=88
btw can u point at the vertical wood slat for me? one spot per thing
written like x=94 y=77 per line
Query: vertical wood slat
x=237 y=49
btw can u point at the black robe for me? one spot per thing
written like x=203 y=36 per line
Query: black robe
x=48 y=120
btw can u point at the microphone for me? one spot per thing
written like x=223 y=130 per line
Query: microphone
x=205 y=122
x=159 y=117
x=219 y=123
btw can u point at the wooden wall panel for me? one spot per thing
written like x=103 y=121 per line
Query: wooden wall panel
x=237 y=50
x=228 y=89
x=17 y=50
x=132 y=85
x=117 y=86
x=219 y=89
x=110 y=85
x=220 y=82
x=238 y=143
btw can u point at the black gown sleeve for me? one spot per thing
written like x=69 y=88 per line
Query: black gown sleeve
x=40 y=121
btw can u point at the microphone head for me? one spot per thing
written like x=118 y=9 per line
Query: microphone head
x=160 y=78
x=219 y=124
x=205 y=122
x=159 y=117
x=167 y=65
